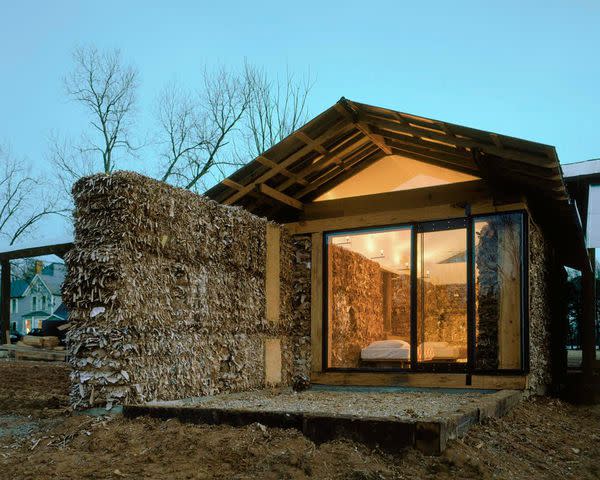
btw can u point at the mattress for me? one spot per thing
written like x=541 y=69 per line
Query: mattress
x=395 y=350
x=429 y=351
x=386 y=350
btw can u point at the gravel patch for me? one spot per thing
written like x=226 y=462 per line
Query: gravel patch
x=403 y=405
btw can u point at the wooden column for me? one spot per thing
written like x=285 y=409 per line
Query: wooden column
x=273 y=272
x=316 y=278
x=588 y=322
x=5 y=301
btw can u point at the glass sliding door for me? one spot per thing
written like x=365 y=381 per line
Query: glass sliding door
x=448 y=295
x=368 y=298
x=441 y=291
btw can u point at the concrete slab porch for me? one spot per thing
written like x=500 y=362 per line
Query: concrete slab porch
x=390 y=418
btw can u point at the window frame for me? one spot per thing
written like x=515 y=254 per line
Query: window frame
x=469 y=367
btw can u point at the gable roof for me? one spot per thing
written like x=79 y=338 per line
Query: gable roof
x=61 y=312
x=349 y=136
x=53 y=276
x=37 y=313
x=18 y=287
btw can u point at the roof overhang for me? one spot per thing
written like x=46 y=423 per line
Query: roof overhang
x=350 y=136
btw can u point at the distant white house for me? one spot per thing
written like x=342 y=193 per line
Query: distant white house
x=37 y=300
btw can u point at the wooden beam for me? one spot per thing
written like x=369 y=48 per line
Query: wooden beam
x=363 y=153
x=336 y=177
x=364 y=128
x=334 y=156
x=5 y=301
x=284 y=171
x=470 y=191
x=414 y=379
x=309 y=141
x=398 y=216
x=280 y=197
x=57 y=249
x=329 y=133
x=231 y=184
x=537 y=160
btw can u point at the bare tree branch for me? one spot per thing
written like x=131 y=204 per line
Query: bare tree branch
x=106 y=88
x=235 y=117
x=24 y=200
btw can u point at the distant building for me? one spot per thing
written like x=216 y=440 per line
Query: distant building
x=37 y=300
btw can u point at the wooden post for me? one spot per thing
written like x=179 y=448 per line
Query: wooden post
x=316 y=330
x=5 y=302
x=273 y=271
x=588 y=322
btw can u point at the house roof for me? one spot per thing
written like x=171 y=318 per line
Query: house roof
x=350 y=136
x=18 y=287
x=36 y=313
x=53 y=276
x=577 y=170
x=61 y=312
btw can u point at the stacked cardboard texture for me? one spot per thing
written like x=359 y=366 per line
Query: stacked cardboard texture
x=166 y=294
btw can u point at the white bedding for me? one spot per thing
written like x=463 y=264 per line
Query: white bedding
x=400 y=350
x=429 y=351
x=386 y=350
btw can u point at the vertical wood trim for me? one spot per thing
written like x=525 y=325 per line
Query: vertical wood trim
x=272 y=278
x=272 y=361
x=316 y=302
x=5 y=302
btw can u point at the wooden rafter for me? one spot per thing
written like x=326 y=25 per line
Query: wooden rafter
x=309 y=141
x=280 y=197
x=334 y=174
x=539 y=161
x=290 y=160
x=335 y=156
x=231 y=184
x=364 y=128
x=284 y=171
x=463 y=165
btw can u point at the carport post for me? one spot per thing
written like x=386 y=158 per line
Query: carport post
x=588 y=327
x=5 y=302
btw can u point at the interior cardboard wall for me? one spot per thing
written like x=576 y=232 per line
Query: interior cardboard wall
x=356 y=305
x=166 y=294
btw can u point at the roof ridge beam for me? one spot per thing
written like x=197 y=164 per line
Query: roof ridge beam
x=346 y=108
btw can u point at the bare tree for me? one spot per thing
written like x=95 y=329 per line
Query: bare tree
x=23 y=199
x=106 y=88
x=234 y=118
x=196 y=131
x=277 y=109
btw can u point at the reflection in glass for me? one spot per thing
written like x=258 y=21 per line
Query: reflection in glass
x=498 y=256
x=442 y=296
x=369 y=299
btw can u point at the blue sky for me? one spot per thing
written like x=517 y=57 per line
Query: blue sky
x=527 y=69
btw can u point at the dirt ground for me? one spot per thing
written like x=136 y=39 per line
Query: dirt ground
x=41 y=438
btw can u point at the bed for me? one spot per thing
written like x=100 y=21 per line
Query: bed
x=396 y=353
x=386 y=354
